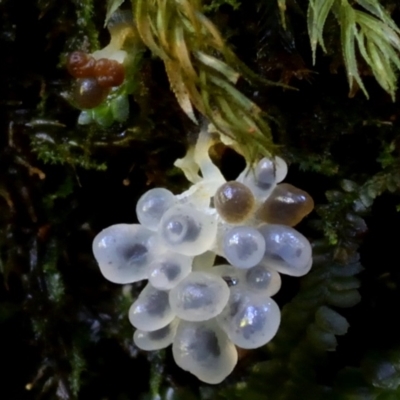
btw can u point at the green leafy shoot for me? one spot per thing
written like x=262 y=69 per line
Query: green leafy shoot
x=318 y=11
x=372 y=34
x=379 y=45
x=203 y=71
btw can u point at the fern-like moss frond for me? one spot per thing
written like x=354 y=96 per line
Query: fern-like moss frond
x=370 y=33
x=318 y=11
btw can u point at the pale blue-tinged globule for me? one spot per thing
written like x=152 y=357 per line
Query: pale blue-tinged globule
x=263 y=178
x=243 y=246
x=156 y=340
x=151 y=311
x=250 y=319
x=199 y=297
x=287 y=250
x=203 y=349
x=167 y=271
x=187 y=230
x=123 y=252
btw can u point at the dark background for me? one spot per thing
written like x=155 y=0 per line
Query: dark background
x=63 y=328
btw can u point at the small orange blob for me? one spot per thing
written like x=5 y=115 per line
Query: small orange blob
x=109 y=73
x=80 y=65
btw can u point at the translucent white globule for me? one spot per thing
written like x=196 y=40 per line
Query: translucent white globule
x=151 y=311
x=243 y=246
x=250 y=319
x=199 y=297
x=262 y=279
x=266 y=174
x=286 y=250
x=168 y=270
x=123 y=252
x=156 y=340
x=152 y=205
x=186 y=230
x=203 y=349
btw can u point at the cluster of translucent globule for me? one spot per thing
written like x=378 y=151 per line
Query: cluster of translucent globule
x=205 y=310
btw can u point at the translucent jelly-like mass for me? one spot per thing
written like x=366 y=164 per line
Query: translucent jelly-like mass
x=243 y=246
x=186 y=230
x=152 y=205
x=203 y=349
x=151 y=311
x=250 y=319
x=287 y=205
x=234 y=202
x=168 y=270
x=123 y=252
x=199 y=297
x=156 y=340
x=207 y=311
x=286 y=250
